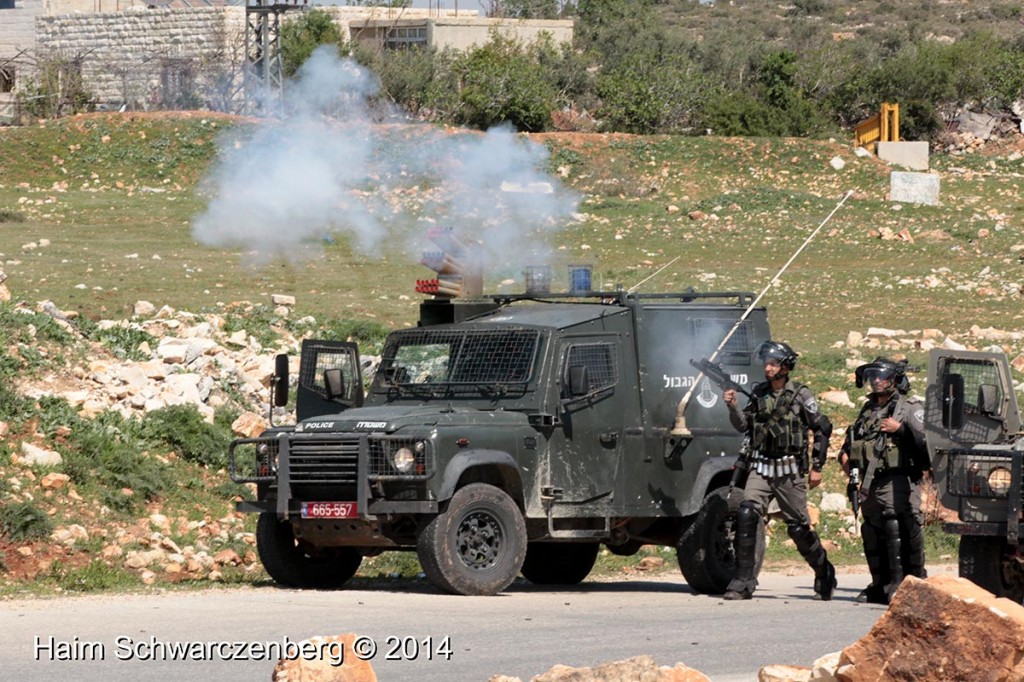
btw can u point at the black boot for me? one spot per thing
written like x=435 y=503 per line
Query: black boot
x=809 y=544
x=875 y=592
x=892 y=545
x=912 y=546
x=743 y=585
x=825 y=582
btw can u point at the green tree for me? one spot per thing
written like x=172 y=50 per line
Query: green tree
x=302 y=35
x=641 y=95
x=501 y=83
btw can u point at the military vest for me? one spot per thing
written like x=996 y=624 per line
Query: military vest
x=782 y=435
x=868 y=442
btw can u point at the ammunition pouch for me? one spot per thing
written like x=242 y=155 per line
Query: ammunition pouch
x=880 y=449
x=786 y=436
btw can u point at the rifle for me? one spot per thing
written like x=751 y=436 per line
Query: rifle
x=853 y=491
x=716 y=374
x=742 y=464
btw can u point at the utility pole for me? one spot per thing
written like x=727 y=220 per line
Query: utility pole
x=264 y=68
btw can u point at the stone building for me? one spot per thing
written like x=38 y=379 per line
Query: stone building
x=130 y=54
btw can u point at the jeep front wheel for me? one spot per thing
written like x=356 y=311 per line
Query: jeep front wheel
x=707 y=548
x=987 y=563
x=290 y=562
x=559 y=563
x=477 y=545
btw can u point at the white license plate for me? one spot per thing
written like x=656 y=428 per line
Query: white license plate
x=329 y=510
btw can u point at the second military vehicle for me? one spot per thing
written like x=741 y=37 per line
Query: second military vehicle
x=508 y=435
x=974 y=439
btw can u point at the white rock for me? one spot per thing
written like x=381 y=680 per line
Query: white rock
x=836 y=398
x=854 y=339
x=837 y=163
x=950 y=344
x=33 y=455
x=833 y=502
x=282 y=299
x=143 y=309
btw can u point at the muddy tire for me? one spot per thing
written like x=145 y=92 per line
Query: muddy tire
x=477 y=545
x=707 y=549
x=290 y=563
x=987 y=562
x=559 y=563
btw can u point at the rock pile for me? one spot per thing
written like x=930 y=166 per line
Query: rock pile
x=195 y=361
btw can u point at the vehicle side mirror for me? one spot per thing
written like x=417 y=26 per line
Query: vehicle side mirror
x=953 y=401
x=987 y=399
x=279 y=382
x=579 y=383
x=334 y=382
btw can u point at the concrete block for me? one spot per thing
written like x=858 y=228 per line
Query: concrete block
x=912 y=155
x=914 y=188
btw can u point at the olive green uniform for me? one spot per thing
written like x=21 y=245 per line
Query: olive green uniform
x=777 y=424
x=891 y=467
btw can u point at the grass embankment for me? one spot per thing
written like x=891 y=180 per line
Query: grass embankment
x=95 y=214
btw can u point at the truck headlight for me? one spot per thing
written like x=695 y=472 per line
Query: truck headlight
x=403 y=459
x=266 y=457
x=999 y=480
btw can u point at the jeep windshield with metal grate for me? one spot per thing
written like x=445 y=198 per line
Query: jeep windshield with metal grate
x=448 y=361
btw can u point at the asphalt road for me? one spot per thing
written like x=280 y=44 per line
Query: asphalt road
x=522 y=632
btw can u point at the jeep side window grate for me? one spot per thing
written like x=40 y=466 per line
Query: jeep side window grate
x=976 y=373
x=599 y=359
x=709 y=332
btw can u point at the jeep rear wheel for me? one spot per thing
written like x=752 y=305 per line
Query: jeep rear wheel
x=291 y=562
x=559 y=563
x=707 y=548
x=477 y=545
x=986 y=562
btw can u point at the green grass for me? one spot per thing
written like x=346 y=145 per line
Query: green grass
x=637 y=194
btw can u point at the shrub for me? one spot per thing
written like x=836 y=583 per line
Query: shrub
x=21 y=521
x=501 y=83
x=109 y=453
x=182 y=428
x=302 y=35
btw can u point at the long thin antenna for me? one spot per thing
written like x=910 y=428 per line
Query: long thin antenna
x=680 y=429
x=638 y=284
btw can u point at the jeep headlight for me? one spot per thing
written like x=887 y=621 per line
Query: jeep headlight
x=403 y=459
x=266 y=457
x=999 y=480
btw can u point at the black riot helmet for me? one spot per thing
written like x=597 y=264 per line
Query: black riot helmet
x=776 y=350
x=886 y=370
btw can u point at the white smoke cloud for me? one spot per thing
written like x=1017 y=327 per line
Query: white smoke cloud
x=330 y=168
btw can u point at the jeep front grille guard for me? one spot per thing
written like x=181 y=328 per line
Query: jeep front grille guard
x=990 y=474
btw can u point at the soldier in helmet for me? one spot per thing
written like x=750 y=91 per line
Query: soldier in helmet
x=886 y=445
x=777 y=420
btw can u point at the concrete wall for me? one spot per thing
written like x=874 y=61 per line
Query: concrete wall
x=125 y=54
x=18 y=27
x=17 y=33
x=462 y=34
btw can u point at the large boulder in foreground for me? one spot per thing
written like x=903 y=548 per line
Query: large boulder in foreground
x=940 y=630
x=323 y=659
x=636 y=669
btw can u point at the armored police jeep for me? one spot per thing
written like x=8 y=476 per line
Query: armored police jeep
x=507 y=435
x=973 y=432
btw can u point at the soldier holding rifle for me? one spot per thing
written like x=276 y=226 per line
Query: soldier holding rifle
x=885 y=447
x=777 y=419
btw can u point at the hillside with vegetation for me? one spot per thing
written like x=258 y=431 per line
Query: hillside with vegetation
x=96 y=214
